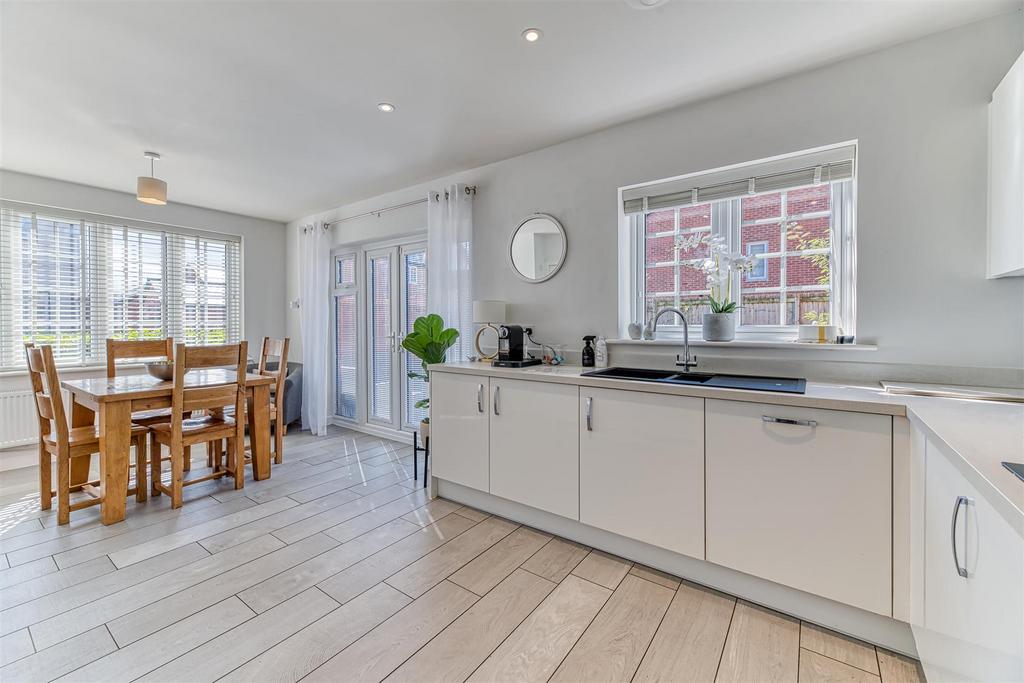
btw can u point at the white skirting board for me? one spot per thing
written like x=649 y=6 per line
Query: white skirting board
x=873 y=628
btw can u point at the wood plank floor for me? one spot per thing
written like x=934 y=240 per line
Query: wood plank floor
x=340 y=568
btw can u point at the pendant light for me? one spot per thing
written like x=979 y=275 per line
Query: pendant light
x=150 y=189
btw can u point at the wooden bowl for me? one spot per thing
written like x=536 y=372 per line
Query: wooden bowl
x=162 y=370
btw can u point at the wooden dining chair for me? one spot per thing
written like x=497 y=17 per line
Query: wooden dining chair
x=58 y=440
x=137 y=350
x=212 y=427
x=276 y=348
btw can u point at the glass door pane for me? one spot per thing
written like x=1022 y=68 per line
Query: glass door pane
x=414 y=305
x=381 y=333
x=346 y=351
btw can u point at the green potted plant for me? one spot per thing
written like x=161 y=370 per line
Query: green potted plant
x=429 y=341
x=720 y=323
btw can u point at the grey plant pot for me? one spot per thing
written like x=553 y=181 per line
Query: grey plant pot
x=719 y=327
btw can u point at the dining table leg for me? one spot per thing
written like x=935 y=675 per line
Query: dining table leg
x=81 y=416
x=259 y=431
x=115 y=444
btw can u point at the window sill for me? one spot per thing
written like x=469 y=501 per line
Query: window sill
x=748 y=344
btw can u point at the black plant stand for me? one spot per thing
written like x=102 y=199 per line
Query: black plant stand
x=416 y=448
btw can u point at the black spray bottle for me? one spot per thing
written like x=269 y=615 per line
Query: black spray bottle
x=588 y=351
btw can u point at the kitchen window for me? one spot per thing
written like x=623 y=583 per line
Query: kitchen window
x=73 y=280
x=793 y=216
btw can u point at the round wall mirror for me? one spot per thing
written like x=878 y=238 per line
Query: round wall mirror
x=537 y=248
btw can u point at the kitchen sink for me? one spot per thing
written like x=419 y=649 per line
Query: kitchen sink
x=788 y=385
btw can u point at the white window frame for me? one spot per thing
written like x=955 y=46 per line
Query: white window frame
x=727 y=220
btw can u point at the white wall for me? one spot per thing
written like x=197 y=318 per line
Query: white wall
x=919 y=111
x=263 y=241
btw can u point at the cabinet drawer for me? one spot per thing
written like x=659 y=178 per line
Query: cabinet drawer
x=459 y=429
x=802 y=497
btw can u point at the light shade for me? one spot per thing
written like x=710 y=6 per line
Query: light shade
x=151 y=190
x=489 y=311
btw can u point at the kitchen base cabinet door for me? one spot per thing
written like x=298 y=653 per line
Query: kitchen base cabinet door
x=802 y=497
x=642 y=467
x=535 y=444
x=459 y=429
x=974 y=582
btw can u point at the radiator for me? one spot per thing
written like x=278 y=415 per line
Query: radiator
x=19 y=425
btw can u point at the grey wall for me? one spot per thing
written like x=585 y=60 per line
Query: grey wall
x=262 y=240
x=919 y=113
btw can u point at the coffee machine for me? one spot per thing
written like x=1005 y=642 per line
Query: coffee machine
x=512 y=348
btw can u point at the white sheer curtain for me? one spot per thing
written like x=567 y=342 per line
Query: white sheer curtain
x=315 y=257
x=449 y=263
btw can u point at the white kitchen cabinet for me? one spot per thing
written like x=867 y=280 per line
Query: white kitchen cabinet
x=1006 y=175
x=459 y=428
x=973 y=626
x=802 y=497
x=534 y=438
x=642 y=467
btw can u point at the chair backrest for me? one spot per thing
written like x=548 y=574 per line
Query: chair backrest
x=42 y=371
x=137 y=348
x=184 y=399
x=275 y=348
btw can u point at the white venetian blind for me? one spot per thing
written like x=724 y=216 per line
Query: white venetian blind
x=73 y=280
x=799 y=170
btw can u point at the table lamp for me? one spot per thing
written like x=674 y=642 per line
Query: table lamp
x=487 y=313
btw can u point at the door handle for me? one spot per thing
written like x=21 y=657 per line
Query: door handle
x=590 y=414
x=479 y=398
x=961 y=501
x=789 y=421
x=496 y=390
x=391 y=337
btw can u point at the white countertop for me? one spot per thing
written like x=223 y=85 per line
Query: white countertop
x=981 y=433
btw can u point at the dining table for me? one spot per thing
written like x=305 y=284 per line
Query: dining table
x=115 y=399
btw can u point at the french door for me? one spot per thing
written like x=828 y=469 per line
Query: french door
x=379 y=293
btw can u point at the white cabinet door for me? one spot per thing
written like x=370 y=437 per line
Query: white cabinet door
x=642 y=467
x=802 y=497
x=535 y=444
x=459 y=428
x=973 y=624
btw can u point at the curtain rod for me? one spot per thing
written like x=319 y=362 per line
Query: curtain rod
x=470 y=190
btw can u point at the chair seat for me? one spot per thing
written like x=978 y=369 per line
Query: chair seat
x=82 y=436
x=196 y=426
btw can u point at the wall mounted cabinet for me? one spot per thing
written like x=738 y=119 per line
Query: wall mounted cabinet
x=1006 y=175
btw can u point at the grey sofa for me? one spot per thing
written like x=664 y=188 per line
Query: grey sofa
x=292 y=402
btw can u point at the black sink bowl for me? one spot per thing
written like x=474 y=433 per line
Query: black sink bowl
x=786 y=385
x=633 y=373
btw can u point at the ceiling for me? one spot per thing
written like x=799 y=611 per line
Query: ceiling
x=269 y=109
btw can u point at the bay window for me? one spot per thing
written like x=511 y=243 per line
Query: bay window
x=73 y=280
x=791 y=217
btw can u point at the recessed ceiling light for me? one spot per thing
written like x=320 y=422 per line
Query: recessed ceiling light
x=532 y=35
x=386 y=107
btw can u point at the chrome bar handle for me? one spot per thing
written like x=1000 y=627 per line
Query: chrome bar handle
x=479 y=398
x=496 y=390
x=590 y=414
x=789 y=421
x=961 y=501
